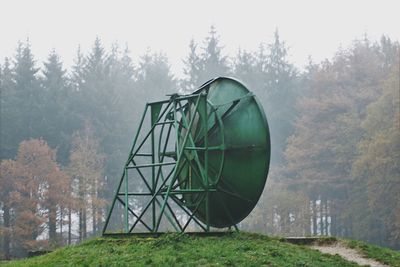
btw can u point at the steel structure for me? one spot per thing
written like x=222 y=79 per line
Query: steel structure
x=202 y=159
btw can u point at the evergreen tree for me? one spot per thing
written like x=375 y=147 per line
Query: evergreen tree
x=127 y=109
x=28 y=95
x=210 y=62
x=154 y=77
x=96 y=99
x=22 y=98
x=58 y=125
x=192 y=69
x=77 y=70
x=214 y=63
x=280 y=94
x=245 y=69
x=8 y=112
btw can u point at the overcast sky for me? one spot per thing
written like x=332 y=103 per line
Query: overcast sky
x=309 y=27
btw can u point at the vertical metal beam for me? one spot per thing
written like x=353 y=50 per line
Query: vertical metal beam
x=126 y=201
x=154 y=117
x=203 y=113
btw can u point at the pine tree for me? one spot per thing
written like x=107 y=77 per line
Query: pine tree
x=58 y=125
x=214 y=63
x=96 y=98
x=279 y=96
x=245 y=69
x=28 y=95
x=192 y=69
x=208 y=64
x=154 y=76
x=8 y=112
x=77 y=70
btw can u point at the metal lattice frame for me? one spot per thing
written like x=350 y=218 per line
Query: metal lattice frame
x=182 y=115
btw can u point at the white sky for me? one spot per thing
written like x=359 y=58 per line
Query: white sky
x=309 y=27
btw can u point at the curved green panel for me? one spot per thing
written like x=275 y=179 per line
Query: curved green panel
x=238 y=165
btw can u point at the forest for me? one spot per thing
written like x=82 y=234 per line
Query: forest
x=335 y=133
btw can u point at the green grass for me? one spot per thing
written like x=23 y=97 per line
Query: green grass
x=384 y=255
x=240 y=249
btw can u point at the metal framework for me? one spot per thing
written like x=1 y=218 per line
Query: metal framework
x=176 y=140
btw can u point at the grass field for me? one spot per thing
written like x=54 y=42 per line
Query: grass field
x=239 y=249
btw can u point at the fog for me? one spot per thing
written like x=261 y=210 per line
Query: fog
x=310 y=27
x=75 y=78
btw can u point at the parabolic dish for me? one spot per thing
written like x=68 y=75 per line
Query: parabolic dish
x=239 y=149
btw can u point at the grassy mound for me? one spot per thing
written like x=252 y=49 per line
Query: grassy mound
x=239 y=249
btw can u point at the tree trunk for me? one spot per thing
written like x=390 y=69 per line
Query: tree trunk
x=306 y=219
x=84 y=228
x=80 y=225
x=321 y=217
x=52 y=224
x=82 y=210
x=61 y=225
x=314 y=217
x=69 y=225
x=94 y=215
x=333 y=225
x=326 y=217
x=6 y=239
x=94 y=220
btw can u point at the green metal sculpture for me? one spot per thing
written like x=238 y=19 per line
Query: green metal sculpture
x=203 y=159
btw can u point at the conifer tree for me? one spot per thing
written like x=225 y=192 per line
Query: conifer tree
x=214 y=62
x=209 y=63
x=28 y=94
x=21 y=96
x=154 y=77
x=279 y=95
x=58 y=125
x=245 y=69
x=8 y=112
x=192 y=69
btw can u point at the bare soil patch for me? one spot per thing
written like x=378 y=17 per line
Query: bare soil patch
x=348 y=254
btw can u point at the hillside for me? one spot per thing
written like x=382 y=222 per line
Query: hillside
x=239 y=249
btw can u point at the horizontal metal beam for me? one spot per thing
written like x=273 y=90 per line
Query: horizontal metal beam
x=175 y=192
x=163 y=122
x=205 y=148
x=144 y=154
x=176 y=98
x=151 y=165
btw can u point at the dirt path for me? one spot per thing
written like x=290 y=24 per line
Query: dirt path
x=348 y=254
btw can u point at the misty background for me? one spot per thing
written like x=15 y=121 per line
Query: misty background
x=75 y=78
